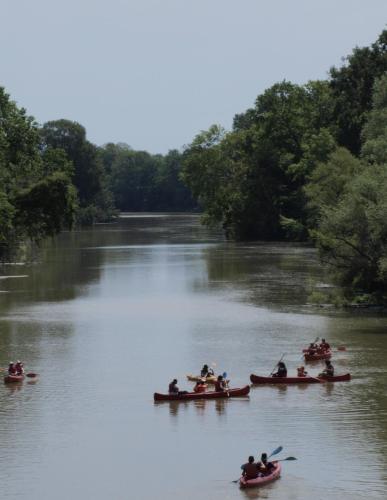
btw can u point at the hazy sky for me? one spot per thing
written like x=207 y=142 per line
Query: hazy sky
x=153 y=73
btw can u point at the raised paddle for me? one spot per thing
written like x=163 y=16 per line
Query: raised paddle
x=276 y=451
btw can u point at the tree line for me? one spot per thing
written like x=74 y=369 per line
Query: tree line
x=307 y=162
x=52 y=177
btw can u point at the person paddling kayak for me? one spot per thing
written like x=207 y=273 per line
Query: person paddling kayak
x=324 y=346
x=282 y=370
x=264 y=466
x=12 y=368
x=250 y=469
x=19 y=368
x=329 y=370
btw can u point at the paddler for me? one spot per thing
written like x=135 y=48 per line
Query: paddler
x=329 y=370
x=220 y=384
x=206 y=371
x=19 y=367
x=12 y=368
x=250 y=469
x=264 y=466
x=324 y=346
x=282 y=370
x=172 y=388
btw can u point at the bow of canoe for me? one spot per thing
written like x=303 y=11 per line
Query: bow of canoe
x=260 y=481
x=230 y=393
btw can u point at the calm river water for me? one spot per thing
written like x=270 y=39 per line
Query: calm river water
x=109 y=315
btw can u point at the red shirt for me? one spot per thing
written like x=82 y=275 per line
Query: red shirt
x=250 y=471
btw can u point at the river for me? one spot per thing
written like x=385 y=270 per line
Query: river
x=109 y=315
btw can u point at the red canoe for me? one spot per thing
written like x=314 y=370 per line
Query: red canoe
x=13 y=378
x=256 y=379
x=317 y=356
x=260 y=481
x=231 y=393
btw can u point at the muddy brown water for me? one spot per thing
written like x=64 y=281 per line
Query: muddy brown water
x=110 y=315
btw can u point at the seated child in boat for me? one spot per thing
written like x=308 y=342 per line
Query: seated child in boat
x=200 y=386
x=301 y=371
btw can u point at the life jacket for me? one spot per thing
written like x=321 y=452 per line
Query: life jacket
x=200 y=388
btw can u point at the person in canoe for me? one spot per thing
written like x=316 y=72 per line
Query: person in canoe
x=324 y=346
x=19 y=368
x=12 y=368
x=329 y=370
x=206 y=371
x=200 y=386
x=250 y=469
x=282 y=370
x=301 y=372
x=173 y=388
x=264 y=466
x=312 y=349
x=221 y=384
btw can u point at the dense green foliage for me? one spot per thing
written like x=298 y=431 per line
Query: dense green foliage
x=52 y=177
x=251 y=178
x=352 y=203
x=37 y=197
x=140 y=181
x=307 y=161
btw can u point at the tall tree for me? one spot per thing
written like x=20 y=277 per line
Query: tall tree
x=352 y=90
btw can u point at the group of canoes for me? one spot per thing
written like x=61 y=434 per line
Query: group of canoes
x=222 y=390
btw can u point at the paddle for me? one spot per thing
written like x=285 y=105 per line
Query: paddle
x=32 y=375
x=276 y=451
x=224 y=375
x=282 y=357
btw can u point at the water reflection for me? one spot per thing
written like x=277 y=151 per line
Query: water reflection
x=107 y=315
